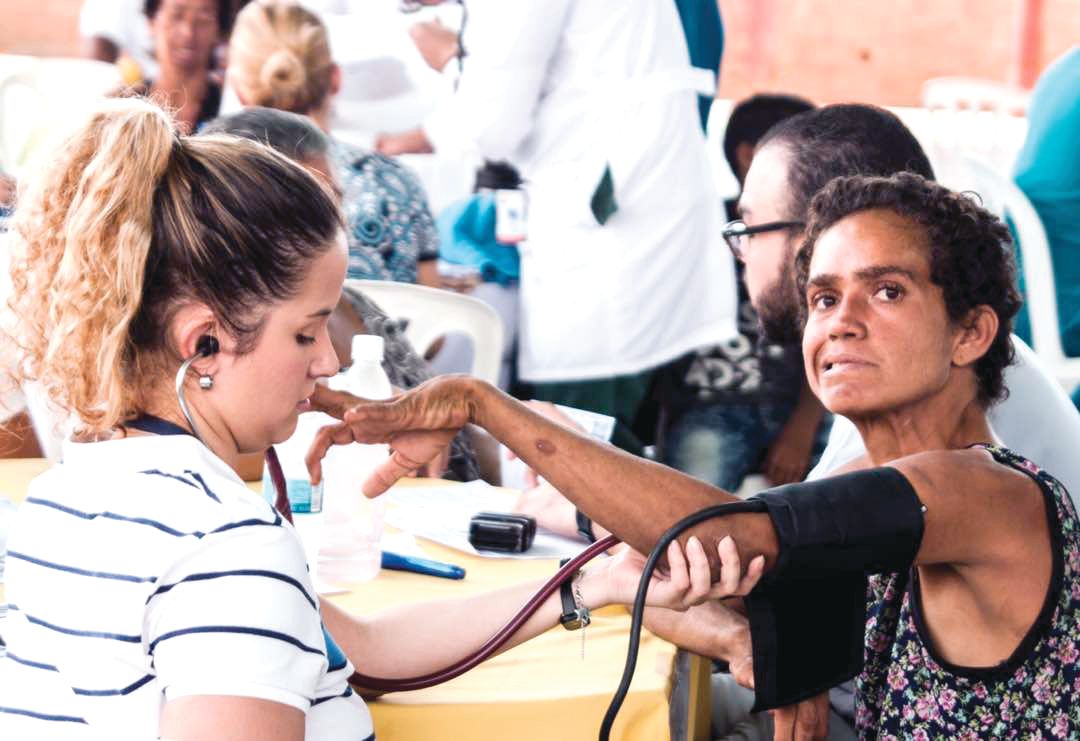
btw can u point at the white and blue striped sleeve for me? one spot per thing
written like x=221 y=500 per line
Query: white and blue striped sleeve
x=238 y=616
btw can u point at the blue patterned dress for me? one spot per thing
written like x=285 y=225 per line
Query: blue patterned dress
x=907 y=691
x=390 y=224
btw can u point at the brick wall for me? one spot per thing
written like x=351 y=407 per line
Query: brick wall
x=880 y=52
x=45 y=27
x=828 y=50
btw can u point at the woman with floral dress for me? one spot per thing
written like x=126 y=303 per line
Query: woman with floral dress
x=910 y=291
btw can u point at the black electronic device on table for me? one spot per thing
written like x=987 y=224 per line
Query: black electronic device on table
x=502 y=531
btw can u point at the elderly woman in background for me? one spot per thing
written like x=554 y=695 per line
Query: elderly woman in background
x=971 y=621
x=279 y=57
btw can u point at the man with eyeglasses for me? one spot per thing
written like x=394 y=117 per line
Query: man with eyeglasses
x=743 y=405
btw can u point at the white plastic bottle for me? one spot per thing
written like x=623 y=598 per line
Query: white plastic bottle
x=352 y=524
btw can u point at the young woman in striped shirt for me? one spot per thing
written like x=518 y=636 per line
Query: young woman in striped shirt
x=151 y=593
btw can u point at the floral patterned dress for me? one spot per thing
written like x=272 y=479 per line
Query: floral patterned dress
x=906 y=690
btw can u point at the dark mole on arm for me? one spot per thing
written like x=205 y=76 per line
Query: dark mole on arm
x=545 y=446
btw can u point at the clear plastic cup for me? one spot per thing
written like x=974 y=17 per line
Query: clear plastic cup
x=352 y=524
x=352 y=543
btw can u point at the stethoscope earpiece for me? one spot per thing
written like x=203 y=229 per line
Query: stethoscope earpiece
x=207 y=345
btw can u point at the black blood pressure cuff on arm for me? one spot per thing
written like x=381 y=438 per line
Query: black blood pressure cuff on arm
x=808 y=615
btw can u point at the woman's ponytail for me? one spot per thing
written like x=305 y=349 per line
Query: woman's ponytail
x=81 y=236
x=131 y=222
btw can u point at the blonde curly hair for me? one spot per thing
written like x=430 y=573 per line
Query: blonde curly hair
x=129 y=222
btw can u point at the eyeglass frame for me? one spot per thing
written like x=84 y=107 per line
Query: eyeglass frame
x=748 y=231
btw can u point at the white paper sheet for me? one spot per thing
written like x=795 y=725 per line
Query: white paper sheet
x=442 y=514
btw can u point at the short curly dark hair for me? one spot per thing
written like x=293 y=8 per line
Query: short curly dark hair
x=225 y=13
x=970 y=251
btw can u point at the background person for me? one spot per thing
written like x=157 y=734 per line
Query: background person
x=110 y=29
x=622 y=271
x=743 y=405
x=279 y=57
x=793 y=162
x=186 y=34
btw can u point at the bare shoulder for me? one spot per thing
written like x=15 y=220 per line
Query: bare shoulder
x=978 y=511
x=972 y=471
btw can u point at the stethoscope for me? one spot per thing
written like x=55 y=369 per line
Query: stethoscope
x=208 y=345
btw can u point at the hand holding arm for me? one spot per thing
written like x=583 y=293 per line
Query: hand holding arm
x=383 y=644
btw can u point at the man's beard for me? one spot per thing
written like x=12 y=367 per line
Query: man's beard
x=779 y=311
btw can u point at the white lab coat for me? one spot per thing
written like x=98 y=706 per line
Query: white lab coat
x=563 y=88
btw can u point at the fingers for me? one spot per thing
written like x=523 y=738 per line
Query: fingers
x=330 y=435
x=752 y=577
x=689 y=579
x=388 y=473
x=700 y=574
x=811 y=720
x=730 y=567
x=678 y=578
x=805 y=721
x=334 y=403
x=742 y=671
x=376 y=419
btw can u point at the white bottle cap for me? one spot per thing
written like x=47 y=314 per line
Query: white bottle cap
x=367 y=348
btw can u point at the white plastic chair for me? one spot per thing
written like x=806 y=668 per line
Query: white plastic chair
x=984 y=118
x=1000 y=194
x=432 y=313
x=41 y=99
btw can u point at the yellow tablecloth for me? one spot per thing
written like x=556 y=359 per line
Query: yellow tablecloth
x=542 y=689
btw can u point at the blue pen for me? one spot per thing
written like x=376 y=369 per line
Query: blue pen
x=398 y=562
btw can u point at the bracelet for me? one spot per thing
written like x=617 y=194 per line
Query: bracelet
x=584 y=526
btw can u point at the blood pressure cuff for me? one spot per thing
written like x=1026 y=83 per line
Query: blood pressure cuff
x=808 y=615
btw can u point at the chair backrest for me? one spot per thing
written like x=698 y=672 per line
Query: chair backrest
x=985 y=118
x=42 y=98
x=432 y=313
x=1000 y=194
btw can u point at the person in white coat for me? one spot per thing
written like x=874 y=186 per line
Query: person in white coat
x=623 y=269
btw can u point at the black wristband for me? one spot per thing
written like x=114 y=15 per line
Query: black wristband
x=584 y=526
x=572 y=618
